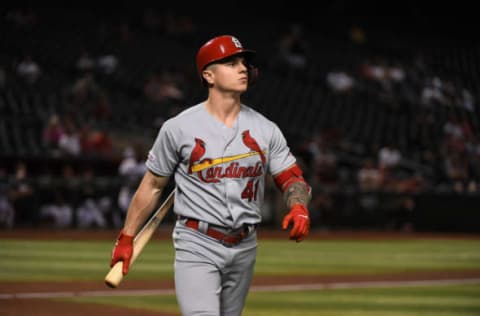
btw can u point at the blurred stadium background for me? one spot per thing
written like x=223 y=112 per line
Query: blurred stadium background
x=378 y=102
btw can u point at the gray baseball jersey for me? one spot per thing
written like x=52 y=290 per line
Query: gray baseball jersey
x=219 y=171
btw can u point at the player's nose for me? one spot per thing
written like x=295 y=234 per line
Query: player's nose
x=242 y=67
x=243 y=70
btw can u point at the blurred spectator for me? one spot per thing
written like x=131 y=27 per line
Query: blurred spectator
x=322 y=210
x=453 y=145
x=453 y=128
x=161 y=87
x=411 y=184
x=389 y=156
x=325 y=165
x=70 y=183
x=90 y=215
x=83 y=94
x=293 y=48
x=95 y=142
x=107 y=64
x=131 y=170
x=467 y=100
x=396 y=73
x=52 y=133
x=125 y=195
x=473 y=154
x=58 y=214
x=28 y=69
x=85 y=63
x=101 y=143
x=22 y=195
x=433 y=94
x=86 y=145
x=369 y=176
x=399 y=212
x=69 y=142
x=376 y=71
x=456 y=169
x=340 y=81
x=7 y=213
x=131 y=165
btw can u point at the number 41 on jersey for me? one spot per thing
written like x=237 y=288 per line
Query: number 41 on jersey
x=250 y=191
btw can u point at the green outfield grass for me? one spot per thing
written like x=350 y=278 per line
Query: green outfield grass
x=69 y=260
x=416 y=301
x=22 y=260
x=425 y=301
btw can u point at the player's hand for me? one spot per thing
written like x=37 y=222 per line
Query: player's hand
x=122 y=251
x=299 y=217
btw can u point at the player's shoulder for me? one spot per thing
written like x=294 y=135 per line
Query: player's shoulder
x=191 y=111
x=254 y=115
x=184 y=117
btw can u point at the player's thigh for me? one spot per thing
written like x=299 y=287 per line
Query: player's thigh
x=236 y=283
x=198 y=287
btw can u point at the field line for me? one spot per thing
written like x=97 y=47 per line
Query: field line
x=255 y=288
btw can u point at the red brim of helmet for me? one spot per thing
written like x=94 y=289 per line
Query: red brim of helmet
x=247 y=53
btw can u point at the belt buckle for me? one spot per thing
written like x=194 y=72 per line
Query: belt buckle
x=240 y=236
x=230 y=234
x=226 y=243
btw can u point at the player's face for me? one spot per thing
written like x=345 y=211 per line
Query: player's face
x=231 y=74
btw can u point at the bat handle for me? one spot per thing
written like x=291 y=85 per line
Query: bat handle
x=115 y=276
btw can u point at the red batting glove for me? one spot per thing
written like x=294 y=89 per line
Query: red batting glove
x=122 y=251
x=298 y=215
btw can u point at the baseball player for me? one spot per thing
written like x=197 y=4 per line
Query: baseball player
x=219 y=152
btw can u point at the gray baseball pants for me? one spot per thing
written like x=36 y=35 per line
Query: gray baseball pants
x=211 y=279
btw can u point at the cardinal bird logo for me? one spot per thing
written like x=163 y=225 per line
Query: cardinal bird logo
x=197 y=152
x=251 y=143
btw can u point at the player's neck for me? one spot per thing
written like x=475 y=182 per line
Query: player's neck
x=223 y=109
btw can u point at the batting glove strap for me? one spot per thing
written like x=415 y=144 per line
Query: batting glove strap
x=300 y=210
x=124 y=239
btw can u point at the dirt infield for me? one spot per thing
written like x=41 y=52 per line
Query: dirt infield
x=15 y=301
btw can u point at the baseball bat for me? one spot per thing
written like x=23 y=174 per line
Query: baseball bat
x=115 y=275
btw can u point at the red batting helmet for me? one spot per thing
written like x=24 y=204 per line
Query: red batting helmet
x=221 y=47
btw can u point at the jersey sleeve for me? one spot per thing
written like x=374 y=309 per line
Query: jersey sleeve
x=280 y=155
x=163 y=156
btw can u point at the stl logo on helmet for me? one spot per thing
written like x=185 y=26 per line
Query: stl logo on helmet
x=236 y=42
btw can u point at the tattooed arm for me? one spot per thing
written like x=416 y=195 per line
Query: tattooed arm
x=297 y=193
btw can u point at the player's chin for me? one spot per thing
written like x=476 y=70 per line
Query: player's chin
x=237 y=87
x=242 y=86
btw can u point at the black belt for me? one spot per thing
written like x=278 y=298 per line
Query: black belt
x=226 y=239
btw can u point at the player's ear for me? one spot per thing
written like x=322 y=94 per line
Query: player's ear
x=207 y=76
